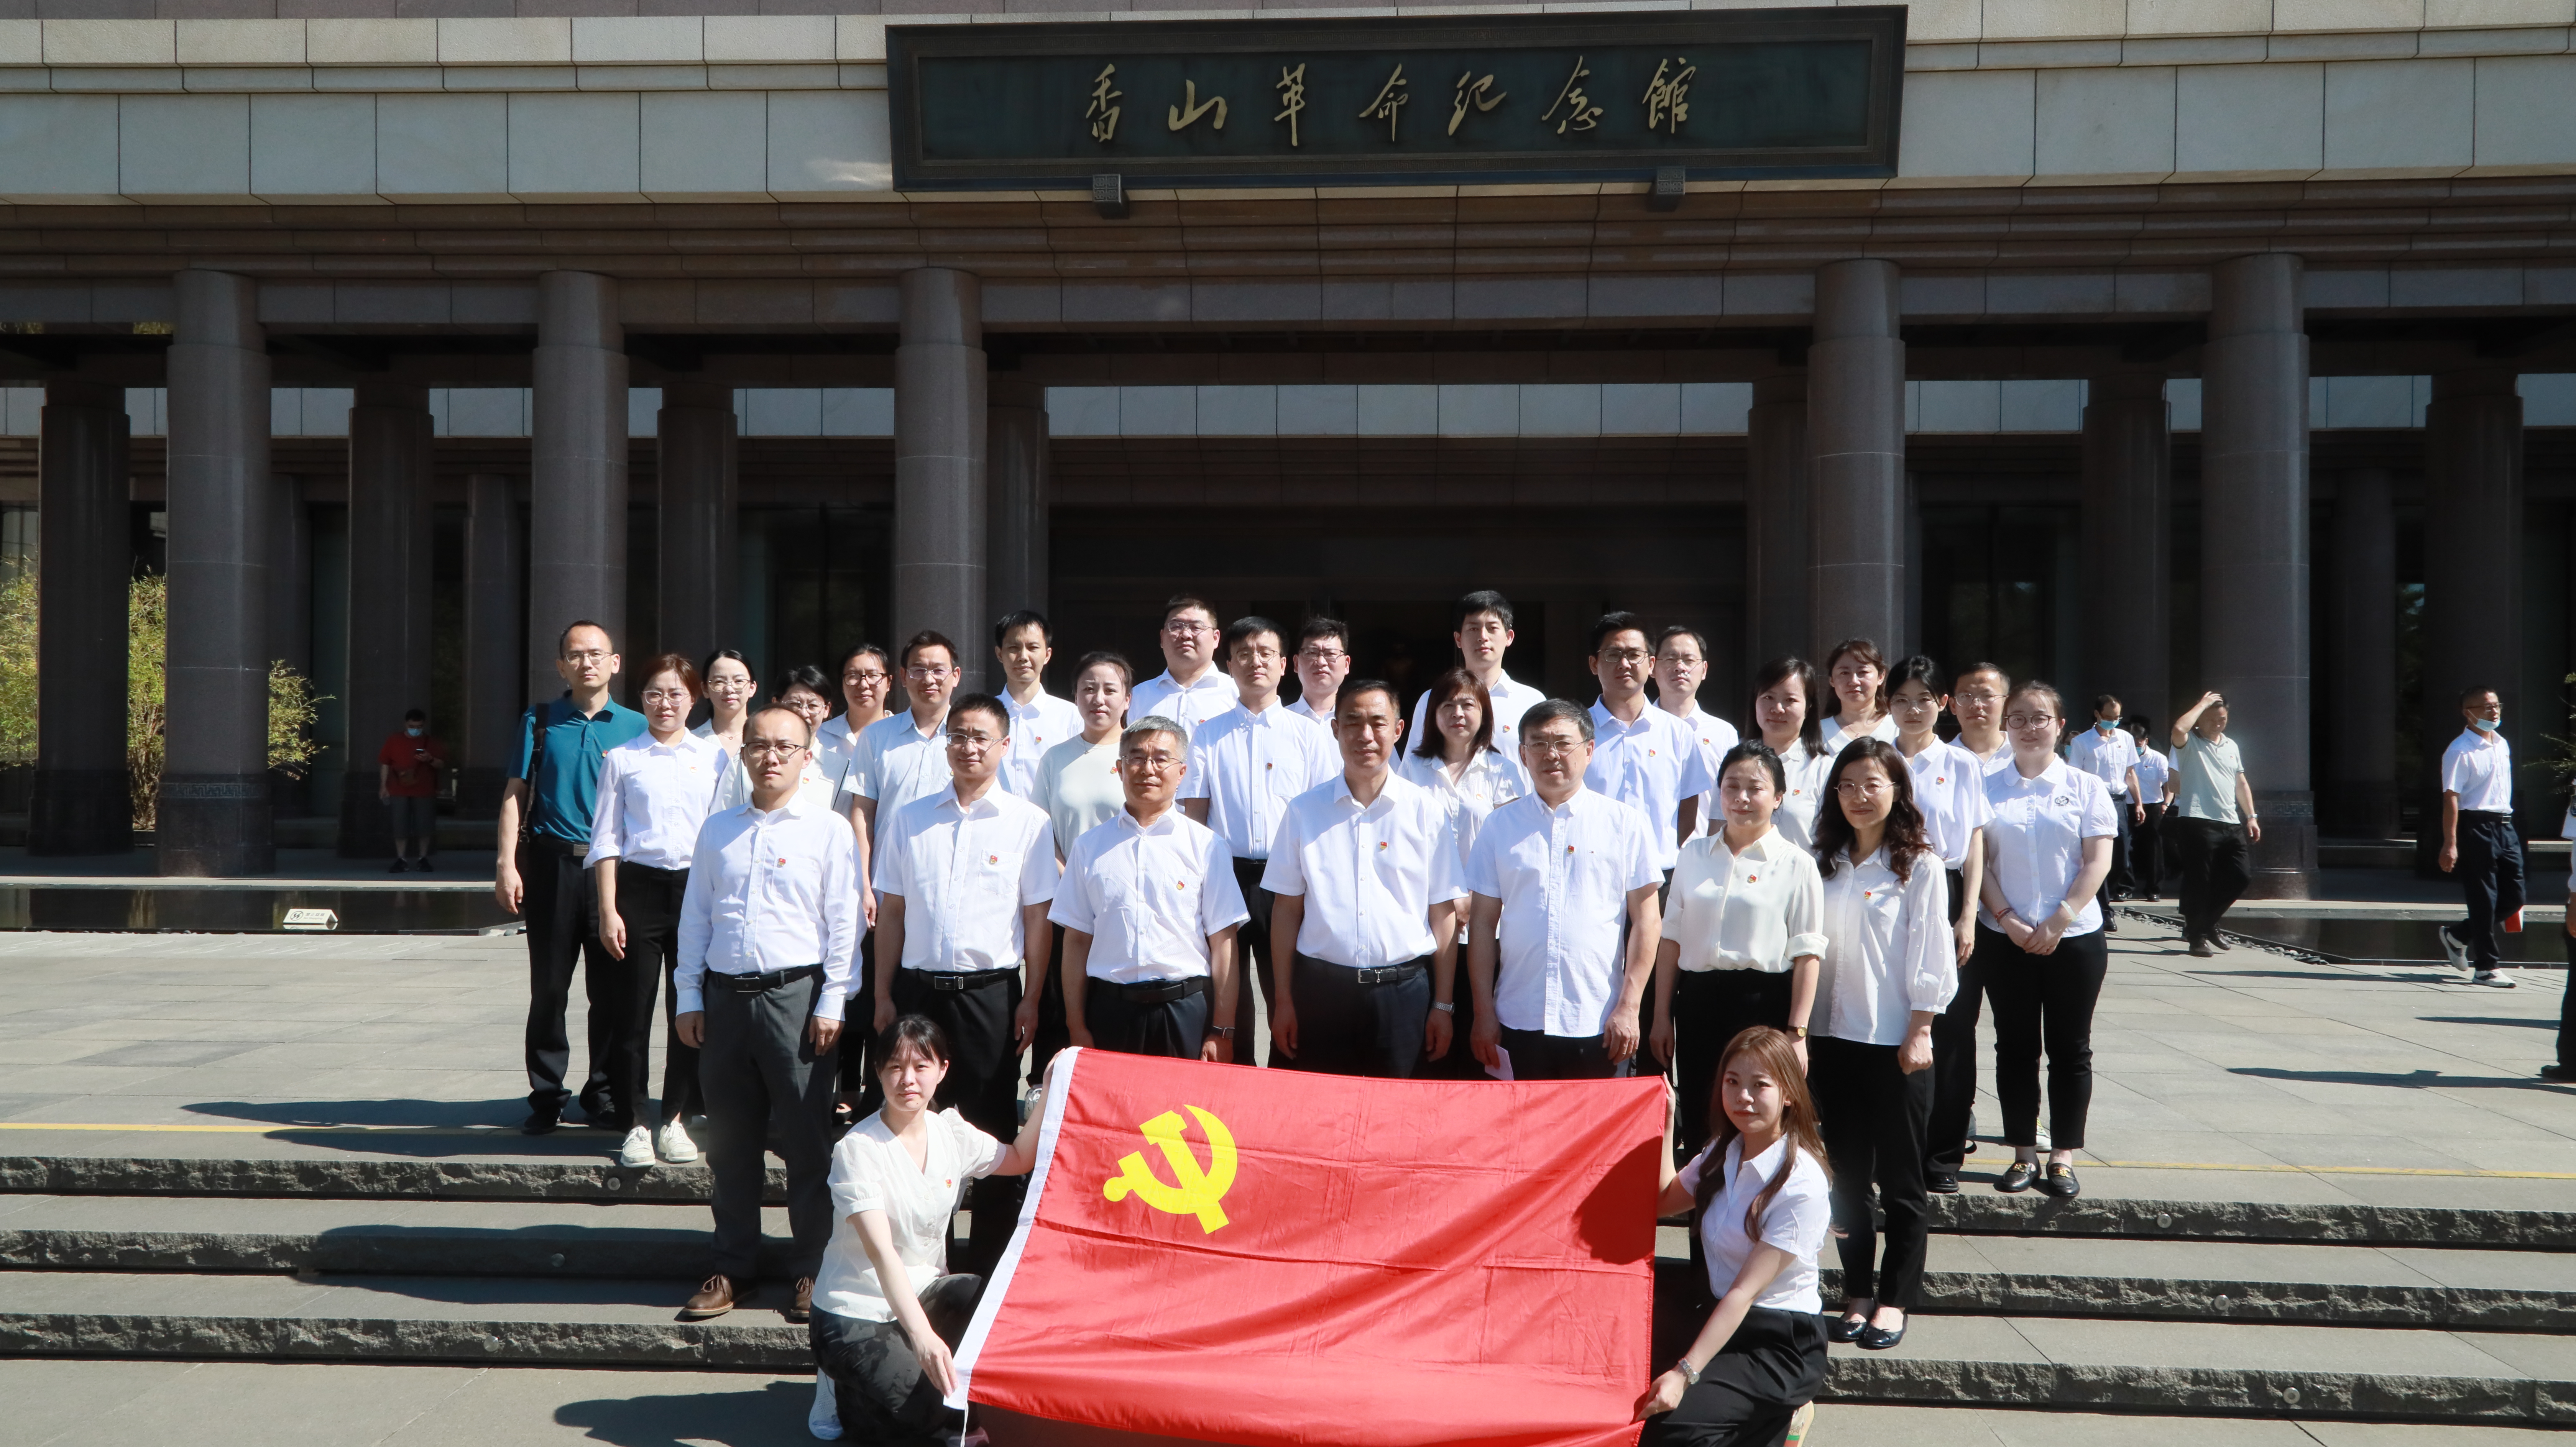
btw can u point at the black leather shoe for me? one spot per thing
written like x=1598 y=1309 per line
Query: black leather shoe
x=2017 y=1178
x=2061 y=1183
x=1943 y=1184
x=540 y=1122
x=2563 y=1074
x=1879 y=1338
x=1847 y=1329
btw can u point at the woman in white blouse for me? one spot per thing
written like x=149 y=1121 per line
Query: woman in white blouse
x=866 y=679
x=801 y=691
x=1889 y=970
x=1077 y=785
x=730 y=689
x=1456 y=760
x=886 y=1313
x=1856 y=672
x=1760 y=1192
x=653 y=795
x=2040 y=949
x=1742 y=932
x=1784 y=712
x=1950 y=791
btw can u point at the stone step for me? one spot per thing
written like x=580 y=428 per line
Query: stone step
x=596 y=1178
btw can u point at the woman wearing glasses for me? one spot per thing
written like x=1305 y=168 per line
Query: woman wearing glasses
x=726 y=676
x=866 y=680
x=2040 y=949
x=1889 y=970
x=654 y=792
x=800 y=690
x=1784 y=711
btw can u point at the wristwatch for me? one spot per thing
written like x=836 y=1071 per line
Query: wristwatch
x=1798 y=1031
x=1689 y=1373
x=1222 y=1032
x=1445 y=1007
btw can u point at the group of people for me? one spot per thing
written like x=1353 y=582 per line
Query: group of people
x=1812 y=915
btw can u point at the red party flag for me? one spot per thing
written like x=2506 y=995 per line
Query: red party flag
x=1278 y=1259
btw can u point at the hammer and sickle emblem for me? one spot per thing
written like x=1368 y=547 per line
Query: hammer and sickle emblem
x=1198 y=1191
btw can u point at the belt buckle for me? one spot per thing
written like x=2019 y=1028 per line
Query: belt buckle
x=948 y=982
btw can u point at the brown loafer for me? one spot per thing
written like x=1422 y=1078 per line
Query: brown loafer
x=802 y=1308
x=721 y=1294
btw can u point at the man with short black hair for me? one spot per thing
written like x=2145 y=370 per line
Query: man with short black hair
x=1564 y=925
x=1323 y=661
x=1039 y=720
x=407 y=784
x=544 y=835
x=1681 y=666
x=1191 y=689
x=1481 y=626
x=1642 y=756
x=903 y=756
x=2108 y=753
x=2479 y=842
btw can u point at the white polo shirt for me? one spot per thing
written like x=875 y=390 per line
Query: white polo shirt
x=767 y=892
x=1249 y=765
x=1510 y=698
x=1149 y=897
x=1891 y=951
x=1758 y=908
x=652 y=799
x=2035 y=842
x=1806 y=772
x=1836 y=736
x=1950 y=792
x=2108 y=759
x=1189 y=706
x=1651 y=765
x=965 y=872
x=898 y=762
x=1036 y=726
x=1563 y=876
x=1369 y=875
x=1715 y=736
x=2153 y=770
x=2479 y=768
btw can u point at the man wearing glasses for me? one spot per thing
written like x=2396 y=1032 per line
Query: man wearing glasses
x=768 y=929
x=1190 y=690
x=1642 y=756
x=544 y=835
x=903 y=756
x=1323 y=661
x=964 y=877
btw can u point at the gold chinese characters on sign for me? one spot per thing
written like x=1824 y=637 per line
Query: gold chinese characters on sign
x=1187 y=113
x=1292 y=97
x=1667 y=96
x=1472 y=90
x=1580 y=112
x=1666 y=101
x=1103 y=115
x=1389 y=104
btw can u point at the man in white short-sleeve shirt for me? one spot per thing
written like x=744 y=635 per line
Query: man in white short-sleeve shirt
x=2479 y=843
x=1681 y=666
x=1039 y=720
x=1561 y=942
x=2106 y=751
x=1482 y=629
x=1323 y=661
x=903 y=756
x=1642 y=756
x=1191 y=689
x=1366 y=975
x=1149 y=908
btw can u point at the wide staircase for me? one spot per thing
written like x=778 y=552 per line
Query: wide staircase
x=2164 y=1308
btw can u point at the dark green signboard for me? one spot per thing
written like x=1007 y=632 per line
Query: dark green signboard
x=1721 y=94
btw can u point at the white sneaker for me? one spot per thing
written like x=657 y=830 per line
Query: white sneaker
x=672 y=1144
x=823 y=1419
x=638 y=1150
x=2454 y=948
x=2495 y=978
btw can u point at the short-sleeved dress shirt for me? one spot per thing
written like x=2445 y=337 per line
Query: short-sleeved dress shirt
x=871 y=1171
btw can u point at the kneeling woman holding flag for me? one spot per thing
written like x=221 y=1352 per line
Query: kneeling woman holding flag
x=1764 y=1205
x=897 y=1177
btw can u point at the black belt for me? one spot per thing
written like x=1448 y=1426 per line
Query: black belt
x=624 y=864
x=551 y=845
x=1374 y=974
x=763 y=984
x=955 y=981
x=1158 y=992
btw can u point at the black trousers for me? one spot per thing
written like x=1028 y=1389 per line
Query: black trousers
x=1710 y=1008
x=1772 y=1366
x=1174 y=1028
x=766 y=1085
x=1347 y=1028
x=562 y=911
x=983 y=1085
x=1954 y=1053
x=1053 y=1034
x=2147 y=854
x=2044 y=1002
x=1537 y=1055
x=1874 y=1118
x=1252 y=961
x=877 y=1381
x=2567 y=1010
x=858 y=1044
x=2118 y=881
x=648 y=899
x=2490 y=871
x=2214 y=871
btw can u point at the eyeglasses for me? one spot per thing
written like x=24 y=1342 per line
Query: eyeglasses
x=1258 y=655
x=2029 y=721
x=931 y=674
x=972 y=741
x=587 y=655
x=1626 y=655
x=1552 y=748
x=869 y=679
x=666 y=695
x=764 y=749
x=1323 y=655
x=1153 y=763
x=1861 y=788
x=728 y=685
x=1182 y=630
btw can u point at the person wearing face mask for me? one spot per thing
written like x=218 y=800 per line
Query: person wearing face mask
x=1681 y=666
x=1024 y=645
x=2108 y=753
x=2213 y=820
x=1743 y=929
x=1784 y=712
x=1323 y=661
x=1856 y=676
x=407 y=783
x=2479 y=844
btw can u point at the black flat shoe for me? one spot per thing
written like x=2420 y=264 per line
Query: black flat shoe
x=1847 y=1329
x=2561 y=1073
x=1943 y=1184
x=1879 y=1338
x=2017 y=1178
x=2061 y=1183
x=539 y=1122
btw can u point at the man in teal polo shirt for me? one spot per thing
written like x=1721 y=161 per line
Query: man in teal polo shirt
x=545 y=831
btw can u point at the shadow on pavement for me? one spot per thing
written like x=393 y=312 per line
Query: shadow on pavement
x=766 y=1416
x=2411 y=1080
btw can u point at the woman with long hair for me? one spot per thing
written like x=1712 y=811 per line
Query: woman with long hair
x=730 y=688
x=1784 y=714
x=1856 y=674
x=1889 y=970
x=1457 y=761
x=2039 y=945
x=1743 y=928
x=1760 y=1192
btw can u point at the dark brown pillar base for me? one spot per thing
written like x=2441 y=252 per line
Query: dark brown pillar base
x=215 y=826
x=2285 y=863
x=80 y=811
x=366 y=832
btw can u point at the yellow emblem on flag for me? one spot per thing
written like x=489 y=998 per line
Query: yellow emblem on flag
x=1198 y=1191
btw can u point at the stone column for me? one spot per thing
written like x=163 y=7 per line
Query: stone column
x=2361 y=659
x=2128 y=487
x=939 y=510
x=1856 y=447
x=389 y=544
x=290 y=575
x=2254 y=550
x=1017 y=497
x=2472 y=569
x=215 y=814
x=701 y=491
x=1776 y=551
x=577 y=469
x=496 y=628
x=84 y=562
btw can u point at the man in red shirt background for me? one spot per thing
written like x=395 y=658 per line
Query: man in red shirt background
x=407 y=781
